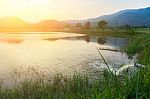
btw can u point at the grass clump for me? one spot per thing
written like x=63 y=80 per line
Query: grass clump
x=140 y=44
x=83 y=87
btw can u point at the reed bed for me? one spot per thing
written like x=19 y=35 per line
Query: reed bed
x=82 y=87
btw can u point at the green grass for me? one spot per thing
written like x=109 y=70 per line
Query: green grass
x=99 y=31
x=82 y=87
x=107 y=32
x=140 y=44
x=143 y=30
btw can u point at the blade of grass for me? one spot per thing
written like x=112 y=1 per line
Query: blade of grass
x=104 y=60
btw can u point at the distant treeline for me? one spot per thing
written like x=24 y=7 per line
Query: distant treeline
x=102 y=25
x=17 y=24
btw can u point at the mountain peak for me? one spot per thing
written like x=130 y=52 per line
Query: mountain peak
x=129 y=16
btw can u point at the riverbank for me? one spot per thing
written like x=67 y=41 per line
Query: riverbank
x=110 y=32
x=140 y=44
x=82 y=87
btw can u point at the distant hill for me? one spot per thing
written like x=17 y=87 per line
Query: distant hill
x=130 y=16
x=136 y=17
x=7 y=23
x=51 y=24
x=13 y=23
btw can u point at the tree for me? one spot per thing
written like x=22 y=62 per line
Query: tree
x=102 y=24
x=67 y=25
x=88 y=25
x=78 y=25
x=130 y=30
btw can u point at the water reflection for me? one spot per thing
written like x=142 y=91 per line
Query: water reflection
x=12 y=41
x=87 y=39
x=58 y=52
x=101 y=40
x=66 y=38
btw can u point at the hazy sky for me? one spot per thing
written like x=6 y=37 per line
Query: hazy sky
x=36 y=10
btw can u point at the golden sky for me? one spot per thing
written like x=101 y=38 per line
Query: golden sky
x=36 y=10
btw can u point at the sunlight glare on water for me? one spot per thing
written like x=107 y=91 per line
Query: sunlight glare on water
x=57 y=52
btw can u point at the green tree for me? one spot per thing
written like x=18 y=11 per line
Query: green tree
x=67 y=25
x=102 y=24
x=130 y=30
x=88 y=25
x=78 y=25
